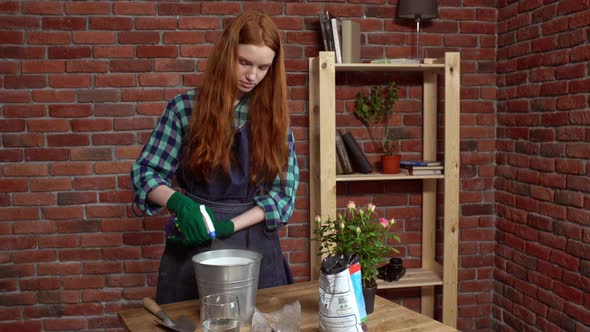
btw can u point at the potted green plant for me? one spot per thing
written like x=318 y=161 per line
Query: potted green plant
x=377 y=107
x=361 y=231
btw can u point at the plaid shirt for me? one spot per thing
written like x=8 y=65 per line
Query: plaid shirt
x=157 y=163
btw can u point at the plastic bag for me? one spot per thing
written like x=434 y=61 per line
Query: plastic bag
x=284 y=320
x=342 y=305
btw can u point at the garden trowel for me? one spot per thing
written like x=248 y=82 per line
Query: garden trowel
x=182 y=324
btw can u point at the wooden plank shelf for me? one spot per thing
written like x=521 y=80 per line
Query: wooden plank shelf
x=413 y=278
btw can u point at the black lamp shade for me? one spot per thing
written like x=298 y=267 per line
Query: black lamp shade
x=418 y=9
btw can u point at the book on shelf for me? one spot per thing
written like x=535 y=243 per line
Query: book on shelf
x=419 y=163
x=407 y=61
x=339 y=169
x=412 y=171
x=351 y=42
x=343 y=155
x=336 y=25
x=323 y=30
x=328 y=27
x=359 y=161
x=423 y=168
x=400 y=61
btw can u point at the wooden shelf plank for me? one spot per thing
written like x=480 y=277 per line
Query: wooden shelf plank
x=413 y=278
x=381 y=177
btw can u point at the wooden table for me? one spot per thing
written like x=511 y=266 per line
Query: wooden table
x=388 y=316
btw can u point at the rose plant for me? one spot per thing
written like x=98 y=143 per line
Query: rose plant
x=358 y=231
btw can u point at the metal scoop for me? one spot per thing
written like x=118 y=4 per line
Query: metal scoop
x=182 y=324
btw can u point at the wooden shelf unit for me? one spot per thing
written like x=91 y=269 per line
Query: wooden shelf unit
x=323 y=178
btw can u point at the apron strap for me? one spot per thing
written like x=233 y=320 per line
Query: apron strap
x=223 y=207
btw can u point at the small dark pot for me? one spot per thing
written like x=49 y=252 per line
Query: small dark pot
x=391 y=164
x=369 y=296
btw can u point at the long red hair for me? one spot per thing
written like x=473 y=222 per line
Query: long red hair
x=211 y=128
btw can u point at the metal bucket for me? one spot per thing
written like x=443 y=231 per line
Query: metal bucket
x=230 y=271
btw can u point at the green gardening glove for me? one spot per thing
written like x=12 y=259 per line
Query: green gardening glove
x=223 y=228
x=188 y=218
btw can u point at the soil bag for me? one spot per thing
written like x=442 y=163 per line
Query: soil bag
x=342 y=306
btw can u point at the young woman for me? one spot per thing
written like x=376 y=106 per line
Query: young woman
x=228 y=147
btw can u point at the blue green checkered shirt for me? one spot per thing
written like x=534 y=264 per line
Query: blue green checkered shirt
x=158 y=161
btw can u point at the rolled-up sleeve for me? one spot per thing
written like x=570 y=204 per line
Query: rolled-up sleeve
x=158 y=160
x=278 y=202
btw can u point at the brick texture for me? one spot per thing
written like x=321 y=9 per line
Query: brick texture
x=542 y=189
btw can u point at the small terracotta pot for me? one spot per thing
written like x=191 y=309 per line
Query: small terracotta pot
x=391 y=164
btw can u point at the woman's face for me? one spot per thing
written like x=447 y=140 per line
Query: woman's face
x=253 y=64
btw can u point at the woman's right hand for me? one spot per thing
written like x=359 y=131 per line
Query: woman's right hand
x=189 y=219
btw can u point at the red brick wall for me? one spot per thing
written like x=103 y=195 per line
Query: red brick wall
x=542 y=186
x=82 y=85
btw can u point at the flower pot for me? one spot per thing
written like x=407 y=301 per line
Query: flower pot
x=369 y=296
x=391 y=164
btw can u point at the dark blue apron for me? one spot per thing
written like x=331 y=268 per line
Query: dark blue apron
x=227 y=196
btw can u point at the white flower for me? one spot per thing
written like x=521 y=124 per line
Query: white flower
x=371 y=207
x=351 y=205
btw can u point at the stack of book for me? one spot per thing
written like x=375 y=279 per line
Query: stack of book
x=405 y=61
x=400 y=61
x=342 y=37
x=421 y=167
x=350 y=155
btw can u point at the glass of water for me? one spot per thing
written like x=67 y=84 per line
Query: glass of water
x=220 y=313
